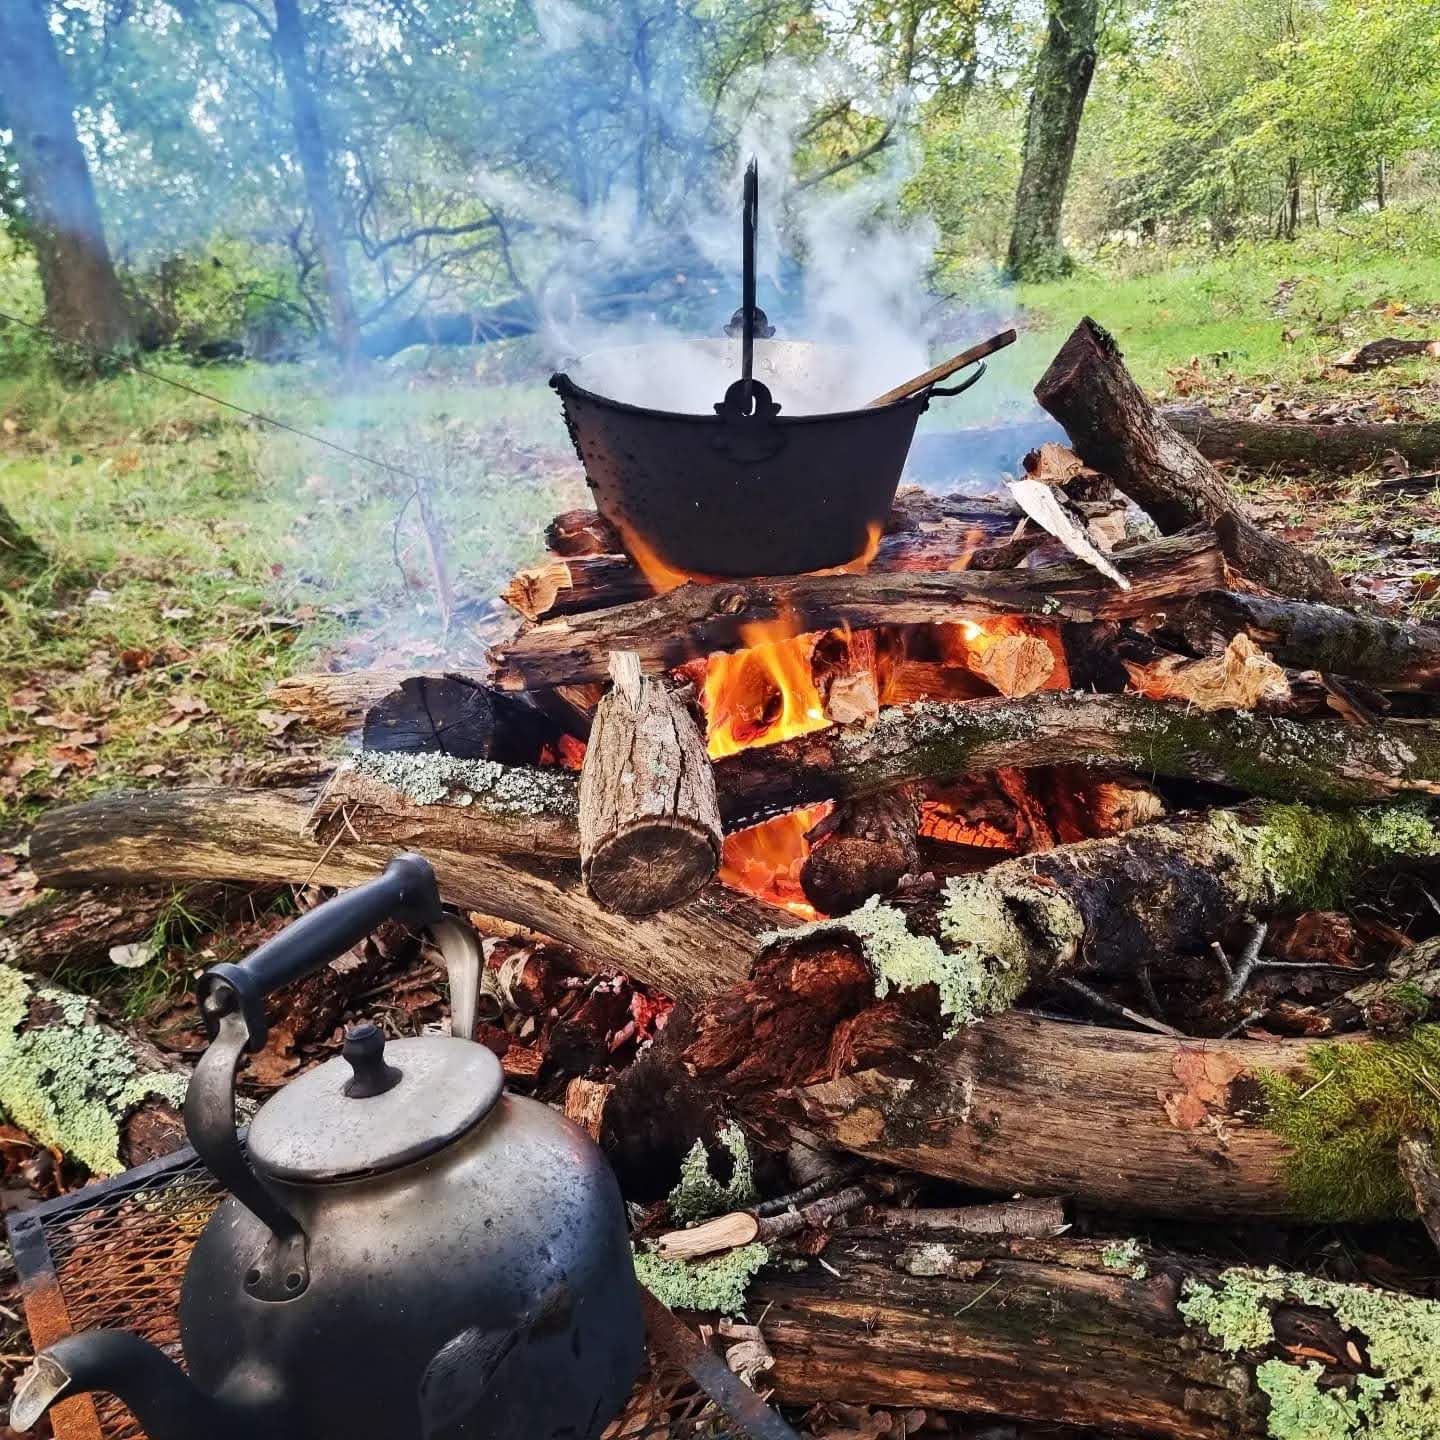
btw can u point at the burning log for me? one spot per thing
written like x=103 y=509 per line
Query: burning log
x=1125 y=1339
x=649 y=822
x=1269 y=757
x=1171 y=1126
x=1106 y=905
x=699 y=619
x=1345 y=447
x=1389 y=654
x=1114 y=429
x=860 y=849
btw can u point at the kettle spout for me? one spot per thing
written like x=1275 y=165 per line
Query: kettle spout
x=162 y=1397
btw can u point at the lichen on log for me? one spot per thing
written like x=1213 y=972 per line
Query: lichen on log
x=69 y=1082
x=1113 y=902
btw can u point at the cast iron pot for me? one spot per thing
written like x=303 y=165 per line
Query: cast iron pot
x=745 y=490
x=730 y=493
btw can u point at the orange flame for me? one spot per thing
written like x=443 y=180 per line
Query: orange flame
x=766 y=860
x=763 y=694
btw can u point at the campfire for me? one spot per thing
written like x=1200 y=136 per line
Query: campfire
x=991 y=857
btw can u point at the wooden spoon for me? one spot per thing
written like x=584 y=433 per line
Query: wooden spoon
x=946 y=368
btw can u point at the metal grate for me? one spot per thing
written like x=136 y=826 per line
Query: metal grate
x=112 y=1256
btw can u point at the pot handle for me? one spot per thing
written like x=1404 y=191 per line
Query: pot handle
x=963 y=386
x=406 y=891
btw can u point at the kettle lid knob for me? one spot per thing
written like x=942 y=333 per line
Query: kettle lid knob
x=365 y=1050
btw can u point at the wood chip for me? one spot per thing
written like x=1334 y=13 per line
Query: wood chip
x=532 y=592
x=1016 y=665
x=1243 y=677
x=1038 y=501
x=725 y=1232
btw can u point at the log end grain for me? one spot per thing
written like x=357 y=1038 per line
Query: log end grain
x=651 y=864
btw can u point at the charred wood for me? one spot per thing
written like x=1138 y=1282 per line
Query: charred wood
x=862 y=848
x=699 y=619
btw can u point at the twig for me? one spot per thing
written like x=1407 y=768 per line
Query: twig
x=1239 y=1025
x=806 y=1193
x=1114 y=1007
x=1249 y=958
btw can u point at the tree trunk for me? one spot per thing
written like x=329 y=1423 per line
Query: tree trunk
x=82 y=295
x=1059 y=1329
x=1171 y=1126
x=1115 y=430
x=314 y=157
x=649 y=821
x=696 y=620
x=1062 y=81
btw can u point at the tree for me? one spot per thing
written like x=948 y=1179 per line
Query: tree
x=83 y=301
x=1057 y=101
x=289 y=43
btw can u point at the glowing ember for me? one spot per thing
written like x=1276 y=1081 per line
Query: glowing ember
x=763 y=694
x=765 y=860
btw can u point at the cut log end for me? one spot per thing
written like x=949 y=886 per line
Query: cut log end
x=652 y=864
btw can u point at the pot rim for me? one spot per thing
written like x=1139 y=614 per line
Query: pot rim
x=563 y=385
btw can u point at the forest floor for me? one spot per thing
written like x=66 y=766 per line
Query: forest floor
x=193 y=557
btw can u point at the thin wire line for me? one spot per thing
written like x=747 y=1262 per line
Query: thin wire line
x=116 y=358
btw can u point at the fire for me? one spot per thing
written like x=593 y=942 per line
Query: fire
x=655 y=568
x=762 y=694
x=765 y=860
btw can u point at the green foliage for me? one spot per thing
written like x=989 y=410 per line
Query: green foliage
x=1343 y=1119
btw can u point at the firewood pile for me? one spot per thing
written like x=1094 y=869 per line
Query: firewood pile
x=1038 y=906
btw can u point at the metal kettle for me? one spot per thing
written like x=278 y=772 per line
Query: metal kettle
x=406 y=1250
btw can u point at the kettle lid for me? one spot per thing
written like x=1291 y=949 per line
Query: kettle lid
x=376 y=1108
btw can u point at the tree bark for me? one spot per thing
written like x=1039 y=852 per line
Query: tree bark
x=1115 y=430
x=649 y=820
x=1171 y=1126
x=336 y=704
x=1388 y=654
x=1344 y=447
x=1421 y=1169
x=696 y=620
x=1035 y=1329
x=259 y=835
x=1052 y=128
x=314 y=156
x=83 y=302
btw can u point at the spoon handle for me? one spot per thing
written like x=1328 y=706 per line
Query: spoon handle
x=945 y=369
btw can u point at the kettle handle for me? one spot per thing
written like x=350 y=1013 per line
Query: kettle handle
x=406 y=891
x=232 y=1000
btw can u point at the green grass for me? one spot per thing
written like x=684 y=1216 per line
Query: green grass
x=1229 y=312
x=193 y=558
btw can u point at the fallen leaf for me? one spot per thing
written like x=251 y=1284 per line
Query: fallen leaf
x=176 y=612
x=277 y=722
x=270 y=1066
x=133 y=956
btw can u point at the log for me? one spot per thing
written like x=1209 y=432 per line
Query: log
x=441 y=714
x=82 y=926
x=531 y=810
x=971 y=950
x=1421 y=1169
x=338 y=703
x=1171 y=1126
x=649 y=821
x=259 y=835
x=1049 y=1330
x=1388 y=654
x=1270 y=757
x=1376 y=353
x=1115 y=430
x=1345 y=447
x=862 y=848
x=696 y=620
